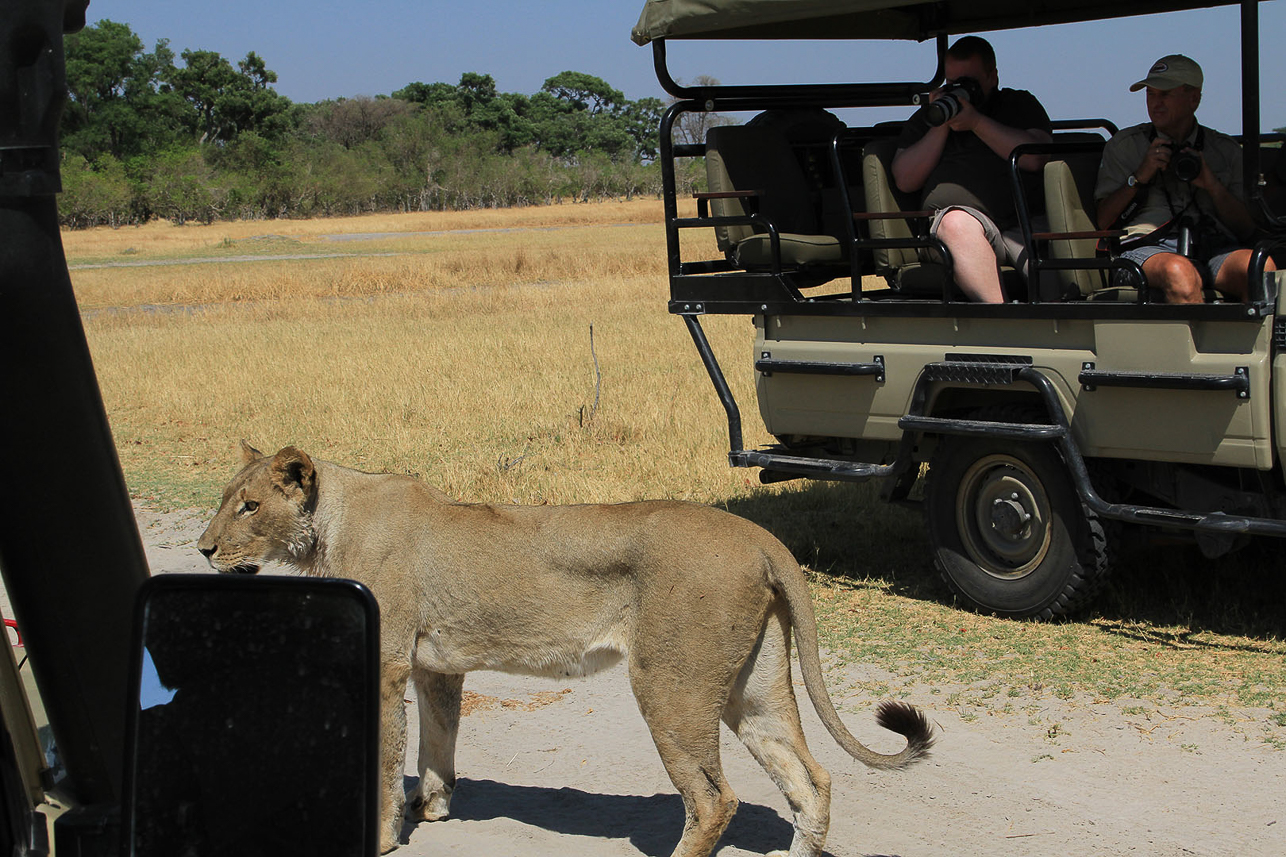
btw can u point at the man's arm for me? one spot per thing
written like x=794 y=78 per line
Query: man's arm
x=1232 y=212
x=1155 y=159
x=912 y=165
x=1002 y=139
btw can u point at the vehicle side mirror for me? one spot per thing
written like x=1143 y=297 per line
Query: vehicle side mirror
x=257 y=724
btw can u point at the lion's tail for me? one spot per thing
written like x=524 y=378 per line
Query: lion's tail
x=900 y=717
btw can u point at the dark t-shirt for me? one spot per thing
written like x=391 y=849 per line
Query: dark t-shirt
x=970 y=173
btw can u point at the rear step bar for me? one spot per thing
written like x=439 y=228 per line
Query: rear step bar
x=778 y=467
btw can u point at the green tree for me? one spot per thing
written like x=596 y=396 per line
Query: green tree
x=576 y=113
x=119 y=98
x=230 y=101
x=474 y=104
x=584 y=92
x=95 y=194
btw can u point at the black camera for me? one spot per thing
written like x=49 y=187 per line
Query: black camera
x=1186 y=164
x=948 y=104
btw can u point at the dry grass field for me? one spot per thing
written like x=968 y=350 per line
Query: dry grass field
x=458 y=347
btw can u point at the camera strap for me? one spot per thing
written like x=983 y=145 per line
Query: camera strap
x=1131 y=208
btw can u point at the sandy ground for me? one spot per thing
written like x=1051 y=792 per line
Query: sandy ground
x=567 y=768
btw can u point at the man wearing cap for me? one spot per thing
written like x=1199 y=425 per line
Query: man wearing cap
x=1176 y=188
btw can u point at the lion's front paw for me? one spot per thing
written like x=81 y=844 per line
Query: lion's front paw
x=387 y=843
x=436 y=807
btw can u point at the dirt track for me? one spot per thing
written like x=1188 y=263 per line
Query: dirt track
x=567 y=768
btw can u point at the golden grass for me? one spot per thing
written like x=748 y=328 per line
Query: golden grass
x=466 y=360
x=487 y=392
x=161 y=238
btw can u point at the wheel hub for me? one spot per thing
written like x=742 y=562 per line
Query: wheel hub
x=1008 y=516
x=1004 y=513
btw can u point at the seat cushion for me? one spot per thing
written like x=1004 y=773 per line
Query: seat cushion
x=797 y=251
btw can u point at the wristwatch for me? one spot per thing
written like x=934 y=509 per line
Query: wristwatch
x=1133 y=181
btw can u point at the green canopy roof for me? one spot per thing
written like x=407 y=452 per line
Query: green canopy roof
x=875 y=19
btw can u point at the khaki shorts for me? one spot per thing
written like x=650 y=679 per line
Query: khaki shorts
x=1007 y=244
x=1208 y=268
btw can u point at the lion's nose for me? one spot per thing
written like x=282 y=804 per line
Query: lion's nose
x=207 y=552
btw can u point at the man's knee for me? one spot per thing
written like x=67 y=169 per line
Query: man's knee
x=1233 y=278
x=956 y=226
x=1174 y=275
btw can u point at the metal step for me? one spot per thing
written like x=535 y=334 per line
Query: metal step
x=815 y=468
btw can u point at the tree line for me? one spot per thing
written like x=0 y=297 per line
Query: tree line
x=195 y=137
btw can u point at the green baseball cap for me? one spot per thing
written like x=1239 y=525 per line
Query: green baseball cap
x=1169 y=72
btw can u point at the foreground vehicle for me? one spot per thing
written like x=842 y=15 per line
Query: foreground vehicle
x=1046 y=423
x=131 y=759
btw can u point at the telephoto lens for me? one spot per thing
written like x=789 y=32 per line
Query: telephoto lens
x=949 y=103
x=943 y=110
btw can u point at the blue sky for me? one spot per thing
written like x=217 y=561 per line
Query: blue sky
x=340 y=48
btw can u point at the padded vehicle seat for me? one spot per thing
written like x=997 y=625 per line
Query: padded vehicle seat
x=900 y=266
x=1069 y=204
x=758 y=162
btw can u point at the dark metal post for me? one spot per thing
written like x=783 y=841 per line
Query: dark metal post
x=69 y=547
x=720 y=383
x=1250 y=96
x=669 y=185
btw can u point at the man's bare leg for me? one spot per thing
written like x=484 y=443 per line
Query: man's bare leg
x=974 y=261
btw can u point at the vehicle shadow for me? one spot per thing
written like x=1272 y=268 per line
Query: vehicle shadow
x=651 y=823
x=1168 y=593
x=846 y=529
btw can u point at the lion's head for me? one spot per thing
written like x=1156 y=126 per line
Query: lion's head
x=266 y=514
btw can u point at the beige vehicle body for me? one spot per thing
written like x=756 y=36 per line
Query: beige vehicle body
x=1228 y=428
x=1082 y=405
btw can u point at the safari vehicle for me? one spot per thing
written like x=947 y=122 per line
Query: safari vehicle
x=88 y=734
x=1047 y=423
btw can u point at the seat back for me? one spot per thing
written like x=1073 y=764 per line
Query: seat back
x=881 y=194
x=745 y=158
x=1069 y=203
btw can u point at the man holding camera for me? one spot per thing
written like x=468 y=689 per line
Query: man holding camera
x=955 y=153
x=1176 y=188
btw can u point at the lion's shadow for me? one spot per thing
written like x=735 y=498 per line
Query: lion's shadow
x=652 y=823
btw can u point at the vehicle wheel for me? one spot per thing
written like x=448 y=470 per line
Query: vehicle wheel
x=1009 y=533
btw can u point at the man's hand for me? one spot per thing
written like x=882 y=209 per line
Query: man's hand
x=967 y=118
x=1155 y=160
x=1205 y=179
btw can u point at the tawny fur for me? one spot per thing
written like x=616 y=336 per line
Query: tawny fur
x=699 y=603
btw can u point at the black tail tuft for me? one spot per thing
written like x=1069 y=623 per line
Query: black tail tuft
x=909 y=721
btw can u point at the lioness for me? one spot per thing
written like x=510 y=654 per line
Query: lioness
x=700 y=602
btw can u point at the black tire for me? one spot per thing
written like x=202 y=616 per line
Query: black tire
x=1009 y=533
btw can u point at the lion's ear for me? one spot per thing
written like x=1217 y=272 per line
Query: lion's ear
x=292 y=471
x=249 y=455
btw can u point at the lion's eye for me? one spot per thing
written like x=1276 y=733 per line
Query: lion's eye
x=249 y=507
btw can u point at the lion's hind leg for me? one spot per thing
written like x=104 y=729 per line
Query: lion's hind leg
x=438 y=697
x=682 y=718
x=763 y=713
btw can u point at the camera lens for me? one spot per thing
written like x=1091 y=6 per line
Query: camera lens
x=943 y=110
x=1186 y=165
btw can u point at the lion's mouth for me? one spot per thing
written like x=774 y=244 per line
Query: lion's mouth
x=244 y=568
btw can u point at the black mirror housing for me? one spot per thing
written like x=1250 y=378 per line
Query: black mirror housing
x=256 y=726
